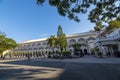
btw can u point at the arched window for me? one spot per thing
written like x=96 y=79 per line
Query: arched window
x=29 y=48
x=81 y=39
x=33 y=44
x=85 y=51
x=24 y=46
x=70 y=46
x=28 y=45
x=47 y=48
x=81 y=51
x=72 y=41
x=34 y=48
x=41 y=48
x=44 y=43
x=39 y=44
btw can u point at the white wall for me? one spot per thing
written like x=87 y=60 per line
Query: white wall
x=25 y=45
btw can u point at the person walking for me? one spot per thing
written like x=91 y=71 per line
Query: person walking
x=29 y=58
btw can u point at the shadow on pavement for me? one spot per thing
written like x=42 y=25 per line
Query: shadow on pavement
x=23 y=73
x=72 y=71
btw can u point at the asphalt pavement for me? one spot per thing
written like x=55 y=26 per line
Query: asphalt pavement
x=60 y=69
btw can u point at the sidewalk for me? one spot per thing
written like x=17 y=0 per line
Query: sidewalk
x=85 y=59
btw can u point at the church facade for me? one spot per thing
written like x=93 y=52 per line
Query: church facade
x=86 y=39
x=108 y=41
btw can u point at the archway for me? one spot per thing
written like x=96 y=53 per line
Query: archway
x=81 y=51
x=85 y=51
x=72 y=41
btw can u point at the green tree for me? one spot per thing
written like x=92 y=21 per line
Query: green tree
x=76 y=46
x=77 y=49
x=59 y=32
x=114 y=24
x=61 y=39
x=100 y=11
x=52 y=41
x=6 y=43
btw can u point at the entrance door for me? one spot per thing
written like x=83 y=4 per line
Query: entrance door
x=85 y=51
x=115 y=50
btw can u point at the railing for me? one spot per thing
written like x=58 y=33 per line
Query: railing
x=112 y=36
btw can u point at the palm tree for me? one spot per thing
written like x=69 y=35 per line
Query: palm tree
x=52 y=41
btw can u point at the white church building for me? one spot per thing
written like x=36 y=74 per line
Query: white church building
x=86 y=39
x=108 y=41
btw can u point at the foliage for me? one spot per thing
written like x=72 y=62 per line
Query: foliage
x=92 y=51
x=42 y=52
x=103 y=11
x=60 y=32
x=6 y=43
x=76 y=46
x=98 y=52
x=114 y=24
x=62 y=42
x=52 y=41
x=97 y=49
x=76 y=49
x=98 y=26
x=67 y=54
x=61 y=39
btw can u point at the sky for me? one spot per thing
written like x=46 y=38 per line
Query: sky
x=24 y=20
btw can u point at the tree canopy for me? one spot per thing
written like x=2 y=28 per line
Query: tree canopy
x=60 y=32
x=76 y=46
x=52 y=41
x=6 y=43
x=114 y=24
x=62 y=42
x=61 y=39
x=103 y=11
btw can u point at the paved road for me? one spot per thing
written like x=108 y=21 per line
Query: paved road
x=58 y=70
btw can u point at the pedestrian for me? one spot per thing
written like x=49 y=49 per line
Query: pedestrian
x=29 y=58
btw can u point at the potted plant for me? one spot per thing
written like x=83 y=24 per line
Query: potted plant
x=99 y=53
